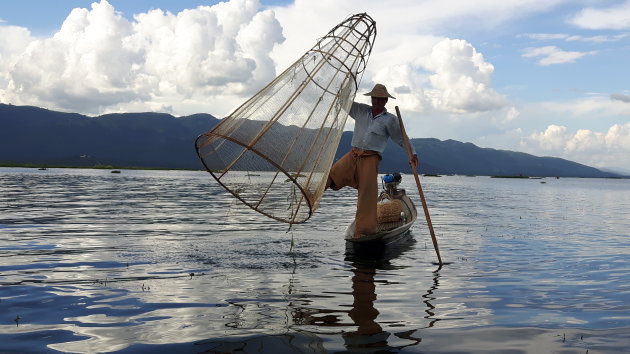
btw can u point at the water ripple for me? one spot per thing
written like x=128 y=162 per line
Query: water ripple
x=97 y=262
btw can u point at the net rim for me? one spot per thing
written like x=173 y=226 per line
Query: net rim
x=278 y=167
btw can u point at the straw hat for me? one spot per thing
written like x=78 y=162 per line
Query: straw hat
x=379 y=90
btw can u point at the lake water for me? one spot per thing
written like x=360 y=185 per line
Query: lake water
x=166 y=261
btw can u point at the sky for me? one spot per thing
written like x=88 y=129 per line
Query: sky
x=549 y=78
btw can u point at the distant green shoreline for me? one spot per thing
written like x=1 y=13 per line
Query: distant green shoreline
x=96 y=167
x=112 y=167
x=510 y=176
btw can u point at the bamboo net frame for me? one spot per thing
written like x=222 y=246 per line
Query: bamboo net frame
x=274 y=152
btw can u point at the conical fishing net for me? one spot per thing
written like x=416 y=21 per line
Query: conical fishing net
x=275 y=151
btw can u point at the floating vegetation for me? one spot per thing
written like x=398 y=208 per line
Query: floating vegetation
x=509 y=176
x=294 y=176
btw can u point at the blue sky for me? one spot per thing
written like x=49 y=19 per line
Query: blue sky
x=544 y=77
x=44 y=17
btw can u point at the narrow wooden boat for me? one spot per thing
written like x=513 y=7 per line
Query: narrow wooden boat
x=391 y=231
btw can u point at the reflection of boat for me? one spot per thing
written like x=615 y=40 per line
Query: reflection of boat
x=366 y=255
x=390 y=200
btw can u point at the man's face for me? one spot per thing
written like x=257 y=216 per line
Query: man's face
x=379 y=102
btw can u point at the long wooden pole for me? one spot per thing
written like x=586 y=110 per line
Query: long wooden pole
x=415 y=174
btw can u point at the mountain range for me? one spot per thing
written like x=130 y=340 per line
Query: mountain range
x=36 y=136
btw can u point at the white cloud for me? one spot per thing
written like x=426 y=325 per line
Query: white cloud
x=214 y=57
x=618 y=137
x=405 y=82
x=462 y=79
x=13 y=41
x=441 y=74
x=615 y=17
x=620 y=97
x=552 y=139
x=546 y=36
x=573 y=38
x=405 y=46
x=583 y=131
x=550 y=55
x=511 y=114
x=99 y=61
x=599 y=149
x=596 y=105
x=585 y=140
x=397 y=20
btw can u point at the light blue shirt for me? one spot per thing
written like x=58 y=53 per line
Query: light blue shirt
x=371 y=133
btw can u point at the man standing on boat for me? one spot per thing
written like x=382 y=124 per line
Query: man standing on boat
x=358 y=169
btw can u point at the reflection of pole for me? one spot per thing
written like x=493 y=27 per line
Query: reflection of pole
x=427 y=300
x=415 y=174
x=411 y=335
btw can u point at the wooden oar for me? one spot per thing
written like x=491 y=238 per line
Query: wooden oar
x=415 y=174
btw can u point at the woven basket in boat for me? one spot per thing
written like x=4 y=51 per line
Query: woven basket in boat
x=388 y=211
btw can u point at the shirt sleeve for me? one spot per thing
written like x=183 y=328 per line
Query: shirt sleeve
x=396 y=134
x=357 y=109
x=353 y=110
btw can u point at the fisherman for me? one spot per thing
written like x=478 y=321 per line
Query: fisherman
x=358 y=169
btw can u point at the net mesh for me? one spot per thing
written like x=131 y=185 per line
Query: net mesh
x=274 y=152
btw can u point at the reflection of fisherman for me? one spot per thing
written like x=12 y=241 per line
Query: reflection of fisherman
x=359 y=167
x=369 y=333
